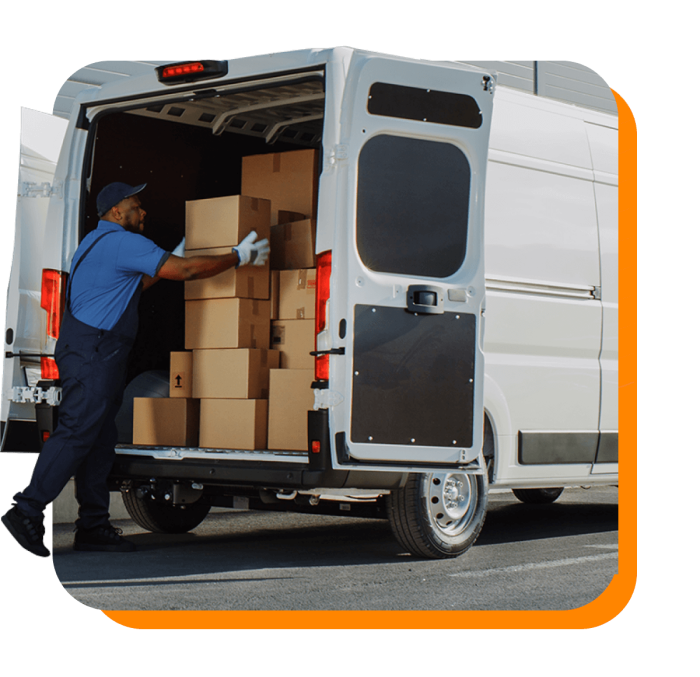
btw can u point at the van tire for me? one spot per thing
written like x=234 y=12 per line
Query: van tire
x=428 y=519
x=161 y=518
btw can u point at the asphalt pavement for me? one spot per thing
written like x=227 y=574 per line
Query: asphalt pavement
x=558 y=556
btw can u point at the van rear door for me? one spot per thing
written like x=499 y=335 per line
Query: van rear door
x=411 y=162
x=25 y=328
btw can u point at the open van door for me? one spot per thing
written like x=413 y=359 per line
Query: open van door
x=411 y=164
x=25 y=330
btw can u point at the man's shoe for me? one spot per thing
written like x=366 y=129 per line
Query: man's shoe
x=28 y=531
x=104 y=538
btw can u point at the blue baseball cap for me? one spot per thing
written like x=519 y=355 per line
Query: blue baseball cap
x=113 y=194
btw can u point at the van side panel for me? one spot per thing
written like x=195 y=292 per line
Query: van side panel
x=543 y=324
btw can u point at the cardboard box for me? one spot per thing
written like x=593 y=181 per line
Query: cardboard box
x=225 y=221
x=227 y=323
x=181 y=374
x=275 y=294
x=293 y=245
x=289 y=180
x=166 y=422
x=233 y=424
x=250 y=282
x=297 y=294
x=240 y=373
x=284 y=216
x=291 y=397
x=295 y=340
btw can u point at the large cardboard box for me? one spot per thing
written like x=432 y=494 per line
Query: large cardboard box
x=233 y=424
x=291 y=397
x=250 y=282
x=225 y=221
x=293 y=245
x=295 y=340
x=240 y=373
x=181 y=374
x=227 y=323
x=166 y=422
x=289 y=180
x=297 y=294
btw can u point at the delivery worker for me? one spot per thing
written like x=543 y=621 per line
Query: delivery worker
x=110 y=268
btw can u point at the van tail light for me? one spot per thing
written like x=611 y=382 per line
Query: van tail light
x=49 y=369
x=53 y=299
x=323 y=293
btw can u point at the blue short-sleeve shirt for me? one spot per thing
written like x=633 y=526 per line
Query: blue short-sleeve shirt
x=111 y=273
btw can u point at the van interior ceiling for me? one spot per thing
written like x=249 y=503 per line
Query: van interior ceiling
x=192 y=150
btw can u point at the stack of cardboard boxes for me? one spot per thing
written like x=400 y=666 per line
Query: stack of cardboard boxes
x=245 y=381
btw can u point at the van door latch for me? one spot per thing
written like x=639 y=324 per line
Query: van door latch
x=426 y=299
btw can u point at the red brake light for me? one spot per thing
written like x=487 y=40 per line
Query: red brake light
x=187 y=71
x=323 y=293
x=184 y=69
x=53 y=285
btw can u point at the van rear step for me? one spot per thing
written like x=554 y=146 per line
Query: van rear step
x=202 y=452
x=224 y=467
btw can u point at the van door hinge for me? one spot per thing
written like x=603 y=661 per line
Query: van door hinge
x=597 y=294
x=324 y=399
x=337 y=154
x=45 y=189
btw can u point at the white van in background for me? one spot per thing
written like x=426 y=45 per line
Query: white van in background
x=467 y=285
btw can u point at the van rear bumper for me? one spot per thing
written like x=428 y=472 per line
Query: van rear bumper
x=225 y=472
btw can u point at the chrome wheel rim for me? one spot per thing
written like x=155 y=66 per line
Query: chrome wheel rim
x=452 y=499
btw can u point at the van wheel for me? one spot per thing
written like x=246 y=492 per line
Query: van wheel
x=161 y=518
x=438 y=515
x=538 y=495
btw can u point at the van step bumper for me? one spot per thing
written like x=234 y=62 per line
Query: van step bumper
x=293 y=469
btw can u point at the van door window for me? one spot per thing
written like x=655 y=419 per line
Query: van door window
x=427 y=105
x=412 y=206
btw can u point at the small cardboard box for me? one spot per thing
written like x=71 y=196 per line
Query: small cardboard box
x=181 y=374
x=166 y=422
x=297 y=294
x=225 y=221
x=289 y=180
x=239 y=373
x=291 y=397
x=293 y=245
x=295 y=340
x=250 y=282
x=233 y=424
x=227 y=323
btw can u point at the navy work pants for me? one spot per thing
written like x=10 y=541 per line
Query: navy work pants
x=92 y=366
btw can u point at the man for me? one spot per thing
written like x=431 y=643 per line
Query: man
x=110 y=268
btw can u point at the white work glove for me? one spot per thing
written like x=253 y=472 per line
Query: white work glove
x=180 y=249
x=251 y=252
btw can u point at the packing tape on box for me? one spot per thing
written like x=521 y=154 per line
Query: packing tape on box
x=301 y=280
x=300 y=314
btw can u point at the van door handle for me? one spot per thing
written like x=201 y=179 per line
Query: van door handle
x=425 y=298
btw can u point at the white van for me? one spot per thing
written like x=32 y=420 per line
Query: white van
x=466 y=332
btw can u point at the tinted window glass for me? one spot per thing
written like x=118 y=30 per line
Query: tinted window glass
x=412 y=206
x=428 y=105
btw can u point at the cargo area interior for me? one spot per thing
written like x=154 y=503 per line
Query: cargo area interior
x=193 y=150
